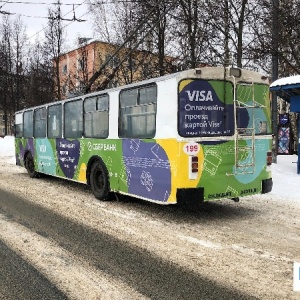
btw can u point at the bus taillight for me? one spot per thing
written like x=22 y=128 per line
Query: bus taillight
x=194 y=162
x=269 y=158
x=193 y=167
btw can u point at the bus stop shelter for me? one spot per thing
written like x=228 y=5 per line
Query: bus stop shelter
x=288 y=89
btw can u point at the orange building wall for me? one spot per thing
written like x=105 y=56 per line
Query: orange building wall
x=95 y=53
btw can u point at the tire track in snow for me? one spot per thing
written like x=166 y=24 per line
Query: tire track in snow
x=75 y=278
x=135 y=273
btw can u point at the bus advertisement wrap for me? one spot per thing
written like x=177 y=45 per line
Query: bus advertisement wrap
x=202 y=109
x=180 y=138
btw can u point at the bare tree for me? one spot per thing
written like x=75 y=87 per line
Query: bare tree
x=191 y=29
x=138 y=32
x=39 y=78
x=7 y=70
x=19 y=41
x=78 y=80
x=54 y=41
x=261 y=48
x=230 y=29
x=289 y=48
x=156 y=39
x=104 y=19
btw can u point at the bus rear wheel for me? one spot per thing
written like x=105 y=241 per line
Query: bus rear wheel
x=29 y=164
x=99 y=181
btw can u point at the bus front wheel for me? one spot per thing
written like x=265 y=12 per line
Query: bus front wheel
x=29 y=164
x=99 y=181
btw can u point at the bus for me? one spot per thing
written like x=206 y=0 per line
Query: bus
x=192 y=136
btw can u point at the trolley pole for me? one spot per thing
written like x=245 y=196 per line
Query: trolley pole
x=274 y=76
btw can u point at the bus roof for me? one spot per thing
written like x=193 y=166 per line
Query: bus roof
x=206 y=72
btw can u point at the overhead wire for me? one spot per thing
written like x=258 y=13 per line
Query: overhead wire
x=5 y=2
x=42 y=3
x=4 y=12
x=70 y=4
x=55 y=3
x=70 y=22
x=38 y=3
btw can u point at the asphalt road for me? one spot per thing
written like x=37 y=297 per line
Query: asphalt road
x=19 y=280
x=151 y=276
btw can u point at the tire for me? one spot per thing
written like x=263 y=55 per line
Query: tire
x=99 y=181
x=29 y=164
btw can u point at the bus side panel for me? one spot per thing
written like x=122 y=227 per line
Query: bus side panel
x=19 y=156
x=69 y=158
x=147 y=169
x=179 y=160
x=57 y=157
x=110 y=151
x=46 y=158
x=136 y=167
x=22 y=146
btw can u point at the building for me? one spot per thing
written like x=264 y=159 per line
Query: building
x=77 y=67
x=10 y=122
x=2 y=124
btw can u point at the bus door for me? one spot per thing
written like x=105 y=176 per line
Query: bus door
x=244 y=137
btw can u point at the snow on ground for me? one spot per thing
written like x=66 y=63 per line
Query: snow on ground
x=286 y=181
x=7 y=149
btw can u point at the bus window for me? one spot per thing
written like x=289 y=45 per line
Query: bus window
x=73 y=125
x=90 y=104
x=28 y=124
x=147 y=95
x=138 y=112
x=96 y=116
x=19 y=125
x=128 y=98
x=39 y=128
x=54 y=121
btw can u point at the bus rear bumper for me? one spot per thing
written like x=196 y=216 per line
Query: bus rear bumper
x=266 y=186
x=196 y=195
x=190 y=196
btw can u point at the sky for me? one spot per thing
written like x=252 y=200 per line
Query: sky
x=284 y=173
x=34 y=15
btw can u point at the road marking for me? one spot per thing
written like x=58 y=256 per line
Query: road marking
x=204 y=243
x=239 y=248
x=73 y=276
x=259 y=253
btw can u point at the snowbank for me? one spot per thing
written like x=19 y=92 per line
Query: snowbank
x=286 y=181
x=7 y=149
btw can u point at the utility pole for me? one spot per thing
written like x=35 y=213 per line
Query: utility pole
x=275 y=34
x=227 y=60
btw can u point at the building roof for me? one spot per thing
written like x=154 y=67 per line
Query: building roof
x=286 y=87
x=82 y=42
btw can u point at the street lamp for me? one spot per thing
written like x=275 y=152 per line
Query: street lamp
x=275 y=13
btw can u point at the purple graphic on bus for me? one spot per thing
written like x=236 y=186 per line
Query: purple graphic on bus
x=68 y=155
x=148 y=169
x=28 y=147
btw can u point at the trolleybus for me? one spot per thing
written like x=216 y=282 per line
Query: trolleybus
x=188 y=137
